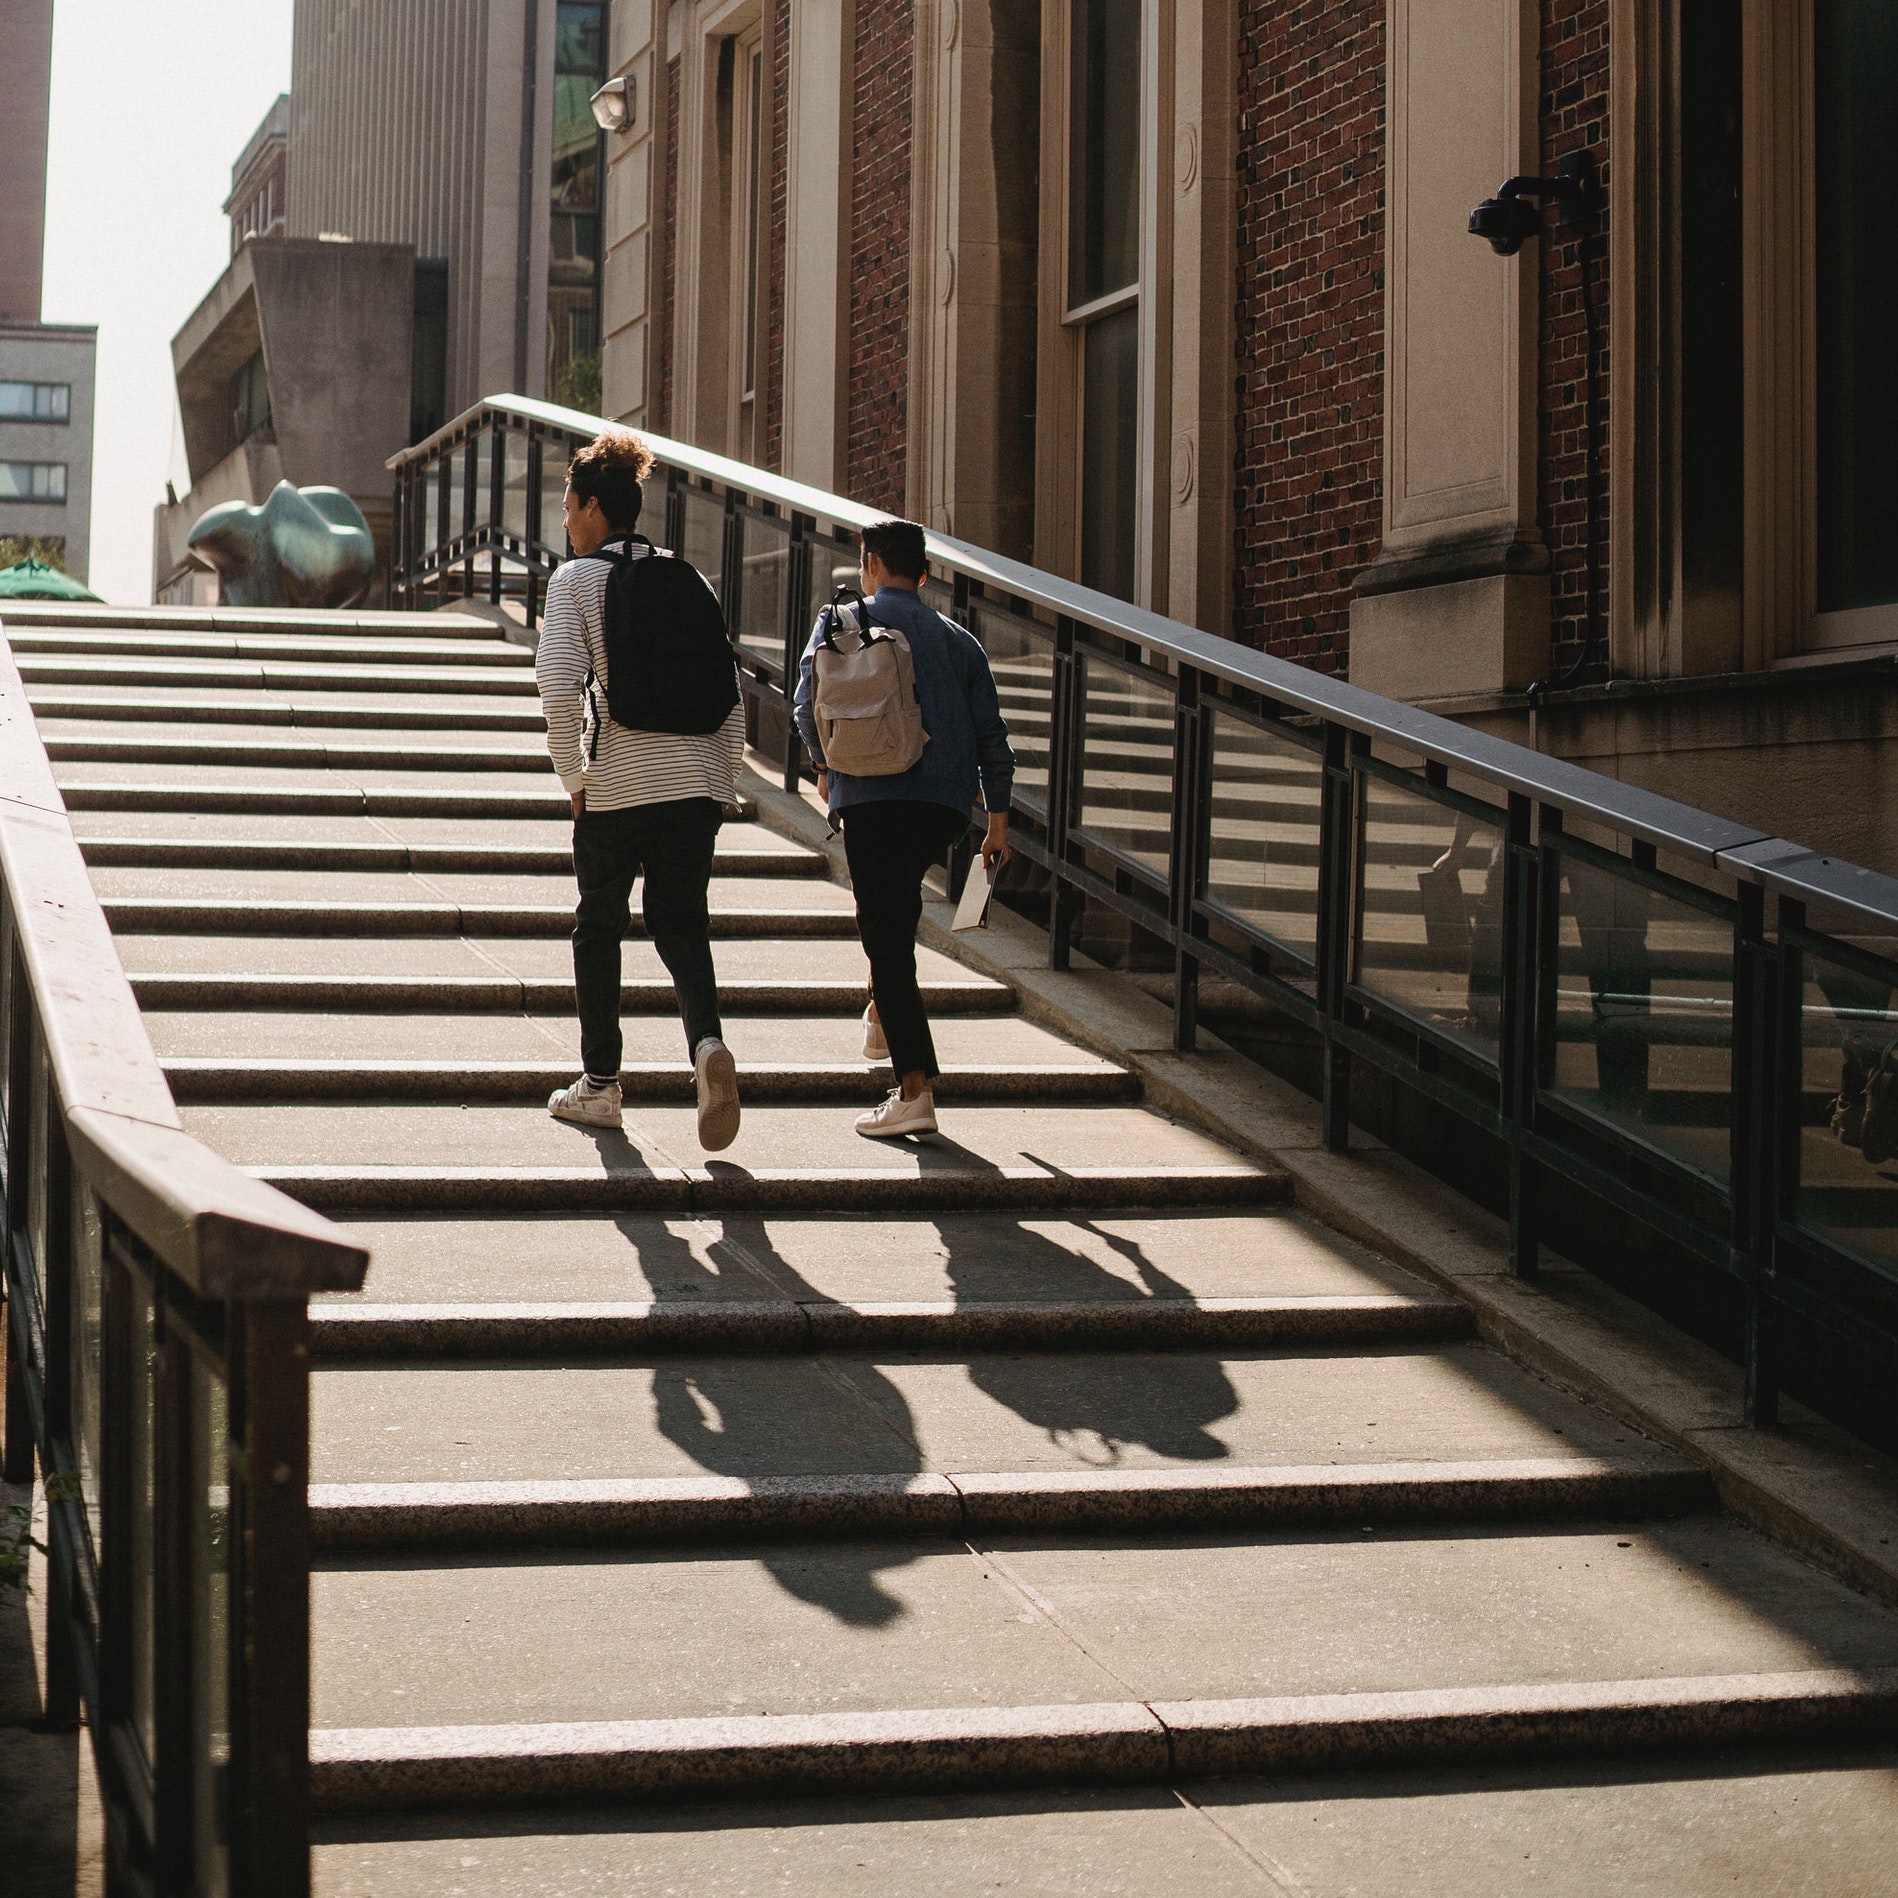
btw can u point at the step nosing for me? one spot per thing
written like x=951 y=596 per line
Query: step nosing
x=1153 y=1741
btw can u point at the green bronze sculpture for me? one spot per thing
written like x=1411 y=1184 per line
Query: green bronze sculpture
x=306 y=547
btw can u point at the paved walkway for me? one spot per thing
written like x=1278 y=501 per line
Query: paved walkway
x=741 y=1526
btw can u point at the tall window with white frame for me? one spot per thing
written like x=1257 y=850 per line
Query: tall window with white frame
x=747 y=235
x=1103 y=290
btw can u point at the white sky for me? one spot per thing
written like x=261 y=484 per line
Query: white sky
x=152 y=101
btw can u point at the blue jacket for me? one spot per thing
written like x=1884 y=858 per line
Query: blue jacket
x=968 y=742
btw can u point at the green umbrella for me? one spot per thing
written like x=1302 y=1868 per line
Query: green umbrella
x=33 y=580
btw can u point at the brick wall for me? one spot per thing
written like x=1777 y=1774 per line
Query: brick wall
x=1309 y=228
x=771 y=369
x=1574 y=112
x=876 y=435
x=668 y=257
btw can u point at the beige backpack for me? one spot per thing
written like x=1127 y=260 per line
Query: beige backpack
x=869 y=720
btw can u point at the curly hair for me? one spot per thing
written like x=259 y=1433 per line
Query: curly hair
x=609 y=470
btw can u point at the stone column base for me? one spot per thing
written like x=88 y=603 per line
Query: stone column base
x=1489 y=634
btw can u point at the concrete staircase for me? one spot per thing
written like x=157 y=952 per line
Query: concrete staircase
x=836 y=1517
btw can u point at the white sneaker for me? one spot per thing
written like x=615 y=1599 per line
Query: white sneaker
x=717 y=1076
x=875 y=1048
x=586 y=1103
x=897 y=1117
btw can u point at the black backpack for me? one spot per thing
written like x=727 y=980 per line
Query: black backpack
x=669 y=660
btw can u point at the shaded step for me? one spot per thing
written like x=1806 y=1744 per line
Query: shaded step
x=158 y=915
x=335 y=799
x=882 y=1190
x=418 y=755
x=507 y=995
x=219 y=1078
x=641 y=1511
x=341 y=1329
x=832 y=1265
x=1125 y=1742
x=550 y=859
x=513 y=677
x=314 y=715
x=436 y=646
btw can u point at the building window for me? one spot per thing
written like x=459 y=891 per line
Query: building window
x=1104 y=241
x=1855 y=65
x=753 y=166
x=250 y=400
x=573 y=254
x=35 y=402
x=33 y=481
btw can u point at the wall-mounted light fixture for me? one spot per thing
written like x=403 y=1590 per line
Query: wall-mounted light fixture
x=615 y=104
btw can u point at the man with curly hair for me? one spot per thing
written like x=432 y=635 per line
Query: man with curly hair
x=645 y=803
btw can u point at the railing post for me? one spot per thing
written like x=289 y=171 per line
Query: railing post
x=1337 y=857
x=1518 y=1055
x=497 y=500
x=270 y=1595
x=797 y=594
x=531 y=525
x=1064 y=724
x=398 y=534
x=1766 y=1026
x=1187 y=851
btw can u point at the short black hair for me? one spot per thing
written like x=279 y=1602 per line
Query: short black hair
x=609 y=470
x=899 y=545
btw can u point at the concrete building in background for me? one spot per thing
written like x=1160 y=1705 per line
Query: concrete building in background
x=47 y=370
x=415 y=225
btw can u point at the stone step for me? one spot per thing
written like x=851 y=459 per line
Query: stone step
x=640 y=1512
x=827 y=1266
x=200 y=1079
x=1027 y=1404
x=353 y=1330
x=443 y=646
x=210 y=747
x=937 y=1750
x=337 y=798
x=1018 y=1621
x=511 y=677
x=392 y=712
x=508 y=995
x=244 y=916
x=549 y=859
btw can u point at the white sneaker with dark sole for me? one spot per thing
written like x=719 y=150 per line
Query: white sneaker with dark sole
x=897 y=1117
x=717 y=1076
x=586 y=1103
x=875 y=1048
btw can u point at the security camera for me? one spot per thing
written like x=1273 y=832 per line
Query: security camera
x=1506 y=222
x=1510 y=218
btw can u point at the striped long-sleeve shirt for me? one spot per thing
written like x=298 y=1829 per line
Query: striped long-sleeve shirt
x=616 y=767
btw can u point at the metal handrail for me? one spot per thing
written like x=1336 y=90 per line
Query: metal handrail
x=1289 y=832
x=158 y=1367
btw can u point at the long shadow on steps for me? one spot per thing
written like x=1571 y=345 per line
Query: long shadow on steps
x=711 y=1412
x=1165 y=1404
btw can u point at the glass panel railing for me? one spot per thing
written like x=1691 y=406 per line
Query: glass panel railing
x=764 y=569
x=1262 y=857
x=1430 y=911
x=703 y=539
x=514 y=485
x=210 y=1536
x=1126 y=741
x=1021 y=655
x=1644 y=1012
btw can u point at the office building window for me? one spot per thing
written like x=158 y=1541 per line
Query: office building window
x=1855 y=63
x=250 y=400
x=33 y=481
x=1104 y=230
x=35 y=401
x=573 y=266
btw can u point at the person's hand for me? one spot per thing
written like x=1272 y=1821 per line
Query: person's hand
x=579 y=799
x=995 y=850
x=823 y=787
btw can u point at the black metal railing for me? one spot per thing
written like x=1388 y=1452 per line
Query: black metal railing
x=1680 y=1017
x=158 y=1370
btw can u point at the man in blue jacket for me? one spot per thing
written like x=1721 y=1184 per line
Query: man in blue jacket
x=896 y=827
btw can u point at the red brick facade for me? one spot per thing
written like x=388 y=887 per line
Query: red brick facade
x=1309 y=230
x=876 y=438
x=668 y=257
x=1574 y=111
x=771 y=369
